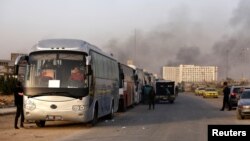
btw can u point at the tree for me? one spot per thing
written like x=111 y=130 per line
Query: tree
x=7 y=84
x=1 y=84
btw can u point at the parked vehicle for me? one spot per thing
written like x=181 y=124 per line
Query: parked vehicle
x=140 y=83
x=150 y=80
x=165 y=91
x=126 y=87
x=56 y=98
x=199 y=91
x=235 y=92
x=210 y=92
x=243 y=108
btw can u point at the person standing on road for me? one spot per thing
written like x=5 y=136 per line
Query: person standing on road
x=18 y=95
x=150 y=93
x=226 y=92
x=176 y=90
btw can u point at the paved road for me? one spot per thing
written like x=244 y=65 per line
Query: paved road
x=186 y=119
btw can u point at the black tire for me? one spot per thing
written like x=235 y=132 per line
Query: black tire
x=171 y=101
x=239 y=116
x=95 y=117
x=40 y=123
x=112 y=112
x=124 y=108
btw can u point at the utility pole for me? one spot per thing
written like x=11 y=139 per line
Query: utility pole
x=243 y=54
x=135 y=49
x=227 y=62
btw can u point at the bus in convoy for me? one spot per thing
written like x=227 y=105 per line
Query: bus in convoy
x=149 y=79
x=139 y=81
x=165 y=91
x=127 y=87
x=69 y=79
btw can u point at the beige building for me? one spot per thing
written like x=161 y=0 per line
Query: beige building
x=7 y=66
x=190 y=73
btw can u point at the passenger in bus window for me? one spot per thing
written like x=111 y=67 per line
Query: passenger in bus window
x=47 y=74
x=76 y=78
x=76 y=74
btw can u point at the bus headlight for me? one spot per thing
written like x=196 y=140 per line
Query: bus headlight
x=78 y=107
x=29 y=105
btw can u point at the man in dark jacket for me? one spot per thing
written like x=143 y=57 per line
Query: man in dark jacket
x=18 y=95
x=226 y=92
x=149 y=92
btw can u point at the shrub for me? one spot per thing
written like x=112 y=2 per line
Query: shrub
x=7 y=84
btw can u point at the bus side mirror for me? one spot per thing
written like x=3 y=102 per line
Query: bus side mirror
x=88 y=60
x=21 y=60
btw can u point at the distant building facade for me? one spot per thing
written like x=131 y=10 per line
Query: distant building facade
x=190 y=73
x=7 y=66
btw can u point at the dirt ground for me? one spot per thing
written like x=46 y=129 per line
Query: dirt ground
x=6 y=100
x=31 y=132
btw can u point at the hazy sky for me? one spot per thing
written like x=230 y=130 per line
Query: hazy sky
x=112 y=23
x=24 y=22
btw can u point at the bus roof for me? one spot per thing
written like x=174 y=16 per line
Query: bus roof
x=66 y=45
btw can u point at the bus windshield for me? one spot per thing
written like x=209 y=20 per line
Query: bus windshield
x=56 y=70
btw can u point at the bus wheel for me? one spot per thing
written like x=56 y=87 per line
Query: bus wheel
x=111 y=115
x=40 y=123
x=171 y=101
x=95 y=117
x=124 y=108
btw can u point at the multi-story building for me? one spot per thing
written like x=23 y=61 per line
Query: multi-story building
x=190 y=73
x=7 y=66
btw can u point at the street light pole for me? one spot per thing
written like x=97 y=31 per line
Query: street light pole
x=244 y=59
x=135 y=49
x=227 y=62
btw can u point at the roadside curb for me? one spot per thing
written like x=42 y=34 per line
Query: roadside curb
x=7 y=111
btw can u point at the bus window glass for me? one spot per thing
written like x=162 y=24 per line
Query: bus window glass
x=50 y=68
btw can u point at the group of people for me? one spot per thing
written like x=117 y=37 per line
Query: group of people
x=49 y=74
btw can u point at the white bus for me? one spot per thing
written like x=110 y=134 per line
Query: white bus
x=52 y=93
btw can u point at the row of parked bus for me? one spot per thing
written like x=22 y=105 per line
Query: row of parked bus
x=130 y=87
x=69 y=79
